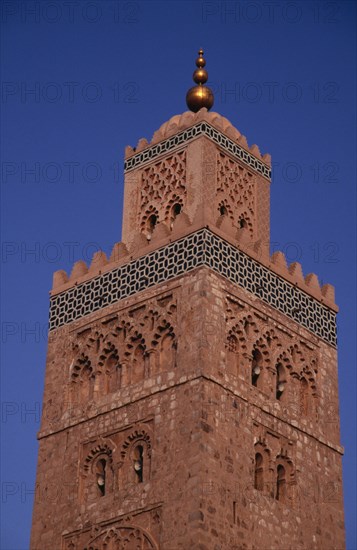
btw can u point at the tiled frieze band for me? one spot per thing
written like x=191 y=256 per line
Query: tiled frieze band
x=200 y=248
x=201 y=129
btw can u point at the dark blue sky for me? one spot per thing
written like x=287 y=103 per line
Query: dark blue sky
x=80 y=81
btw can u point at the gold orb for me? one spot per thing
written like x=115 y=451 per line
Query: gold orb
x=200 y=62
x=200 y=76
x=198 y=97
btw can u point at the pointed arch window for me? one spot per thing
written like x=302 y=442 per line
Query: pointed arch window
x=280 y=483
x=243 y=223
x=138 y=462
x=83 y=379
x=259 y=472
x=280 y=381
x=257 y=364
x=175 y=211
x=262 y=473
x=101 y=466
x=136 y=456
x=109 y=365
x=223 y=210
x=97 y=474
x=150 y=225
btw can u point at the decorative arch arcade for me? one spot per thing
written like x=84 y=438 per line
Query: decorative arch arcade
x=129 y=537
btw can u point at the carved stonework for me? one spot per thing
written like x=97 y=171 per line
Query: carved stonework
x=271 y=360
x=137 y=531
x=124 y=538
x=101 y=447
x=140 y=434
x=236 y=188
x=140 y=344
x=116 y=454
x=274 y=472
x=163 y=189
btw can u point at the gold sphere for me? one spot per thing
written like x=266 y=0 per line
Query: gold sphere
x=200 y=62
x=198 y=97
x=200 y=76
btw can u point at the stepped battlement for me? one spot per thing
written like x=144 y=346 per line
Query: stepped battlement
x=163 y=235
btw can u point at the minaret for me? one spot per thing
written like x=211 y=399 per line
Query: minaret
x=191 y=396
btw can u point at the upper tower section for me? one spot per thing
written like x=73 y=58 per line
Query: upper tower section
x=197 y=164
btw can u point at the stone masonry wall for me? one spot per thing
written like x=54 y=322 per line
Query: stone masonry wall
x=185 y=396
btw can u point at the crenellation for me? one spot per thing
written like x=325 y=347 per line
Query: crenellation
x=312 y=281
x=328 y=292
x=254 y=149
x=242 y=140
x=79 y=269
x=142 y=144
x=99 y=260
x=119 y=252
x=295 y=270
x=60 y=278
x=279 y=261
x=267 y=159
x=181 y=227
x=129 y=151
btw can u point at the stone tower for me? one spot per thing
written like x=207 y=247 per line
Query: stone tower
x=191 y=384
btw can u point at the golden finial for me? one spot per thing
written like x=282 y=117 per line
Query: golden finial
x=199 y=96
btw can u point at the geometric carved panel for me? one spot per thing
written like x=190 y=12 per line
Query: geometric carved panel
x=236 y=192
x=122 y=538
x=135 y=531
x=163 y=185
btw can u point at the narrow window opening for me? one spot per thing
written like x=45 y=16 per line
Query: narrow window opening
x=138 y=463
x=242 y=223
x=234 y=512
x=256 y=367
x=258 y=472
x=280 y=484
x=280 y=381
x=223 y=210
x=176 y=210
x=152 y=221
x=101 y=475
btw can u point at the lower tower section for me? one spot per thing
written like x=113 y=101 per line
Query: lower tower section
x=192 y=415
